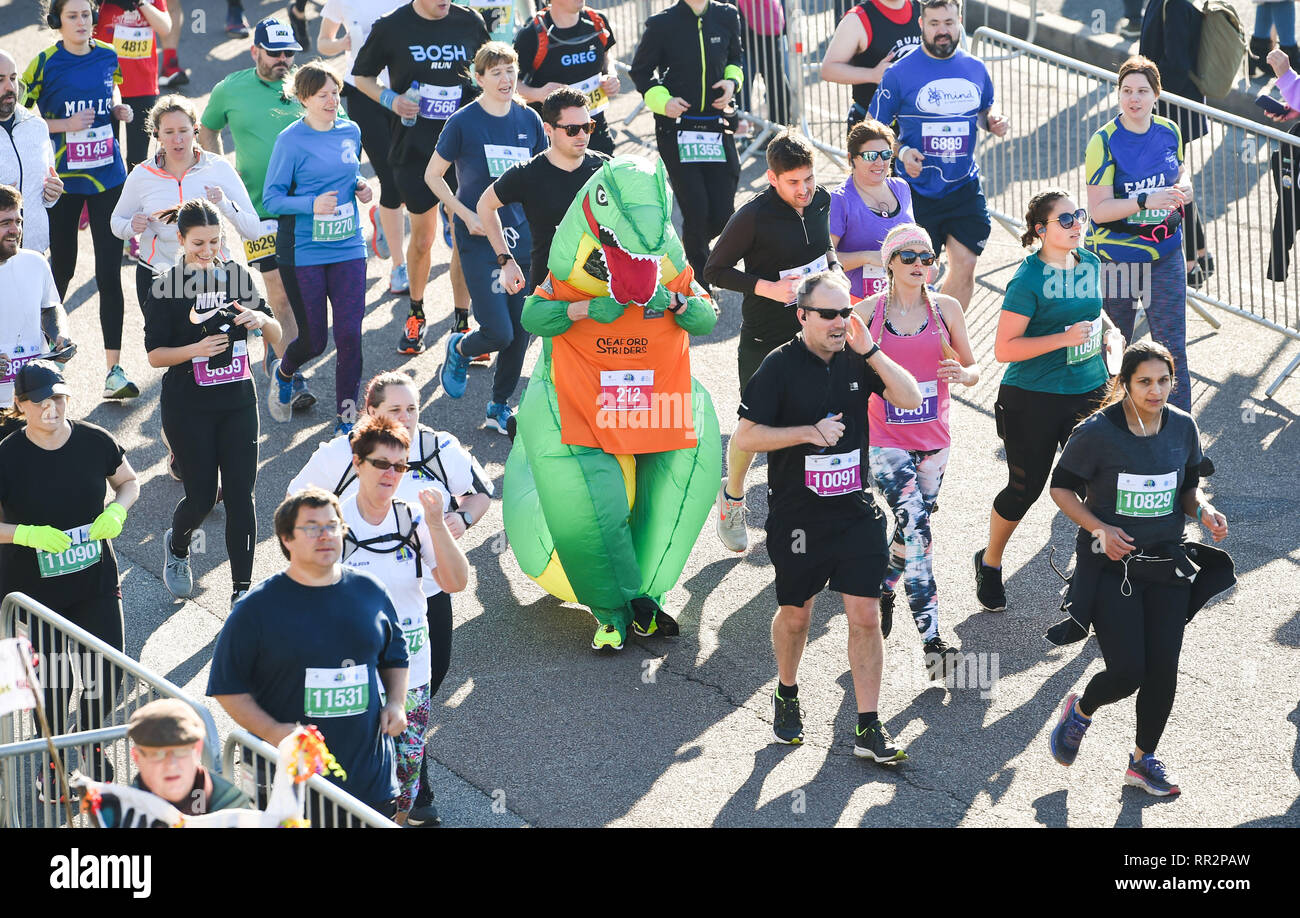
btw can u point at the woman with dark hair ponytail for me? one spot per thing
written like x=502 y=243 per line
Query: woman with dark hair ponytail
x=197 y=320
x=1136 y=582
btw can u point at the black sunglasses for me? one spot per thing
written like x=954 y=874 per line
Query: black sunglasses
x=872 y=155
x=384 y=465
x=829 y=314
x=573 y=130
x=1080 y=216
x=286 y=53
x=909 y=257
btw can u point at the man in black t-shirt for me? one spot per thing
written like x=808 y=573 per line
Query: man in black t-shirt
x=807 y=407
x=870 y=37
x=567 y=44
x=544 y=186
x=430 y=43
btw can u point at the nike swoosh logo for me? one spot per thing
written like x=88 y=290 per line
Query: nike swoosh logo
x=198 y=318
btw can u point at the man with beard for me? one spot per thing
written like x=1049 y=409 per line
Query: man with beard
x=27 y=161
x=257 y=107
x=934 y=100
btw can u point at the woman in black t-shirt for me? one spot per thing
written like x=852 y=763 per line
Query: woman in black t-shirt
x=1138 y=462
x=57 y=534
x=197 y=319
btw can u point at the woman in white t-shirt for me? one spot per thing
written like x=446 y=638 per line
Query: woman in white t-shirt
x=404 y=547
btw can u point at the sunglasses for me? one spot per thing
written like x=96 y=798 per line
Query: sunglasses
x=384 y=465
x=281 y=54
x=1080 y=216
x=872 y=155
x=573 y=130
x=829 y=314
x=909 y=257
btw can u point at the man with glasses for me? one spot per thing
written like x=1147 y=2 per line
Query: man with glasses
x=319 y=644
x=544 y=186
x=807 y=406
x=257 y=107
x=783 y=234
x=167 y=748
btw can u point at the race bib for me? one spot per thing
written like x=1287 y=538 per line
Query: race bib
x=339 y=226
x=499 y=15
x=945 y=139
x=928 y=410
x=1145 y=495
x=81 y=554
x=417 y=635
x=1081 y=353
x=15 y=363
x=831 y=476
x=626 y=390
x=342 y=692
x=91 y=148
x=596 y=98
x=236 y=371
x=500 y=158
x=1152 y=216
x=132 y=42
x=264 y=245
x=439 y=102
x=813 y=267
x=700 y=147
x=874 y=281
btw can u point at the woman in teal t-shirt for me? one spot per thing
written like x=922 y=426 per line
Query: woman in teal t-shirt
x=1050 y=334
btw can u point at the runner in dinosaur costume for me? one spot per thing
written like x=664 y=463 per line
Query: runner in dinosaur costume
x=617 y=456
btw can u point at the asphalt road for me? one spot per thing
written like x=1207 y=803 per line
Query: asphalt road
x=532 y=728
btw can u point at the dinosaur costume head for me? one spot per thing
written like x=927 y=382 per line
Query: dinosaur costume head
x=620 y=241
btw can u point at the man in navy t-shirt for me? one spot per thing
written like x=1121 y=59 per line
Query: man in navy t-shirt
x=318 y=644
x=935 y=100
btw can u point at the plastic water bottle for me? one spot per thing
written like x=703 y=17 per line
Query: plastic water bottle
x=412 y=93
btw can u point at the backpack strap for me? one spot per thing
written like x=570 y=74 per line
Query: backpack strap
x=406 y=536
x=543 y=31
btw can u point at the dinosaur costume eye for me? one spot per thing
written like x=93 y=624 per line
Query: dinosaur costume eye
x=601 y=198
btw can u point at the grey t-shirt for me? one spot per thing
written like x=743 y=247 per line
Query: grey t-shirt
x=1136 y=483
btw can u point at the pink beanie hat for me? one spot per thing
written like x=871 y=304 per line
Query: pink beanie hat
x=905 y=235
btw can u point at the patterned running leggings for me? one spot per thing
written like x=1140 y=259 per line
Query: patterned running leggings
x=410 y=745
x=909 y=481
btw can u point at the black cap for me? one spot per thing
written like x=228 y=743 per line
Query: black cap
x=38 y=380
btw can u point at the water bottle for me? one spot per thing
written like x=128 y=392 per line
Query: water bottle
x=412 y=93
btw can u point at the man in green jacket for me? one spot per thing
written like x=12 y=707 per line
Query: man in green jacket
x=167 y=746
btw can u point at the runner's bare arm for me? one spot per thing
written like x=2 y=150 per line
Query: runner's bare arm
x=246 y=712
x=126 y=488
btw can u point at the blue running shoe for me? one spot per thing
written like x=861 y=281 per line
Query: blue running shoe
x=1149 y=774
x=342 y=428
x=498 y=418
x=378 y=242
x=1069 y=730
x=455 y=369
x=399 y=281
x=279 y=397
x=302 y=396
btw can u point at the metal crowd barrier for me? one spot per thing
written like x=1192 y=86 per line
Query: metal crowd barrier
x=1241 y=194
x=249 y=763
x=22 y=763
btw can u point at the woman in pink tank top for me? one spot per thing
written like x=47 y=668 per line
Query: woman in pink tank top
x=925 y=333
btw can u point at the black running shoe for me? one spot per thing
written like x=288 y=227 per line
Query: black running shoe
x=423 y=816
x=941 y=661
x=988 y=585
x=787 y=724
x=876 y=744
x=887 y=598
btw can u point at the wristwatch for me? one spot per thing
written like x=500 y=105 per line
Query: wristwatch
x=871 y=353
x=466 y=517
x=1142 y=200
x=502 y=259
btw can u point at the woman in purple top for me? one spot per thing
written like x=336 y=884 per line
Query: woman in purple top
x=867 y=206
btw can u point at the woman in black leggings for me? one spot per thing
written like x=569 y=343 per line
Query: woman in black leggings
x=197 y=320
x=1138 y=461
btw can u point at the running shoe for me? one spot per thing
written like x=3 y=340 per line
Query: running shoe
x=887 y=598
x=412 y=337
x=1068 y=732
x=454 y=372
x=1149 y=774
x=236 y=26
x=116 y=385
x=731 y=521
x=378 y=241
x=481 y=360
x=876 y=744
x=446 y=225
x=607 y=638
x=988 y=585
x=423 y=816
x=787 y=724
x=941 y=661
x=648 y=619
x=498 y=418
x=302 y=396
x=342 y=427
x=236 y=597
x=399 y=281
x=177 y=576
x=279 y=395
x=299 y=26
x=170 y=78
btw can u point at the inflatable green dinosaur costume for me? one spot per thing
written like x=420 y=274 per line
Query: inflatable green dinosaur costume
x=617 y=455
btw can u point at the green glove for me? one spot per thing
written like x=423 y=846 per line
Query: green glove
x=45 y=538
x=605 y=309
x=108 y=525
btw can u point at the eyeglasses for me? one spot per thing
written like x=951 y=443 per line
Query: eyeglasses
x=180 y=753
x=1080 y=216
x=872 y=155
x=384 y=465
x=909 y=257
x=312 y=531
x=282 y=54
x=573 y=130
x=829 y=314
